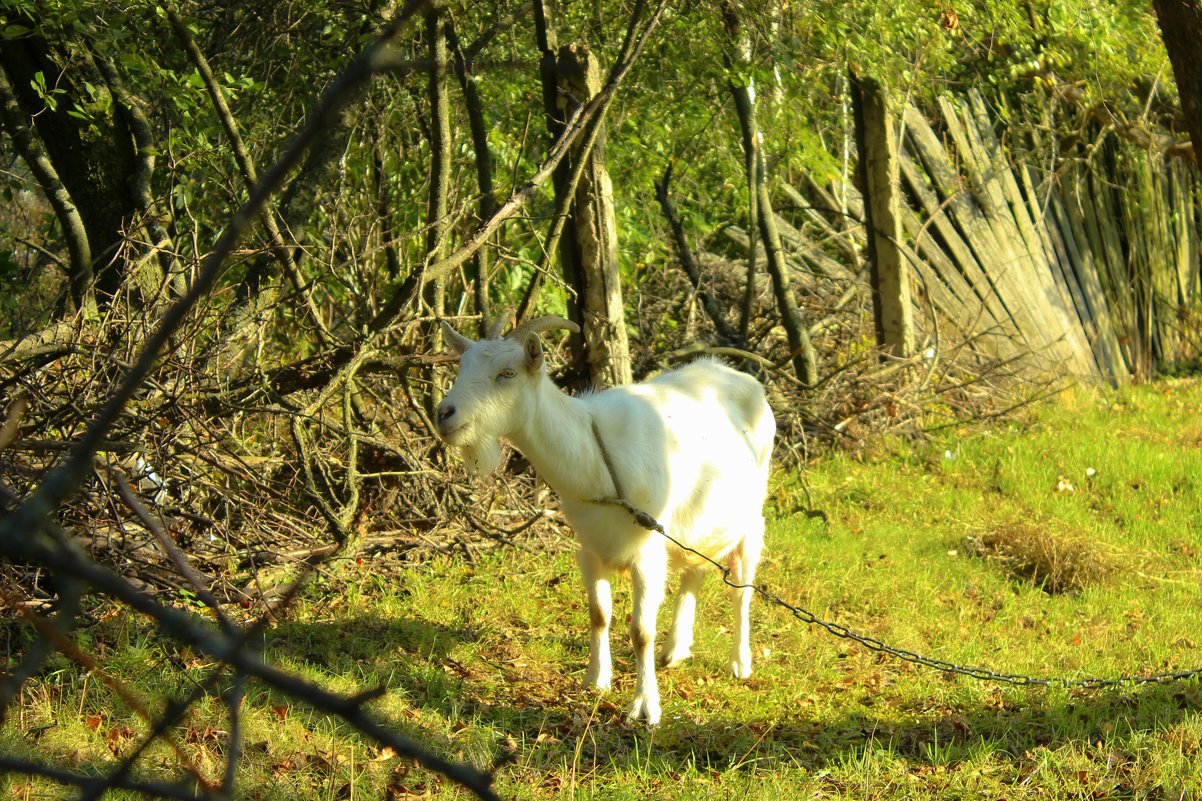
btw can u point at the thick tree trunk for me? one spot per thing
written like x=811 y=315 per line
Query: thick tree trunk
x=159 y=268
x=1181 y=27
x=75 y=234
x=594 y=238
x=588 y=251
x=91 y=149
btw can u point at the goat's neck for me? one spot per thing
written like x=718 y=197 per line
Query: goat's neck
x=557 y=437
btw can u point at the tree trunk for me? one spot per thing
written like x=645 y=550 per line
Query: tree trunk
x=440 y=158
x=1181 y=27
x=805 y=361
x=744 y=97
x=159 y=268
x=79 y=249
x=726 y=334
x=91 y=148
x=588 y=251
x=478 y=125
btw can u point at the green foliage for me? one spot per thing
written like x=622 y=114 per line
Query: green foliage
x=675 y=108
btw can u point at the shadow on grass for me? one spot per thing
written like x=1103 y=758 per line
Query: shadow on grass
x=1007 y=725
x=547 y=709
x=946 y=736
x=406 y=655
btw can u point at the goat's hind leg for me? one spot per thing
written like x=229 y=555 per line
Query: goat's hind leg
x=600 y=612
x=679 y=645
x=743 y=562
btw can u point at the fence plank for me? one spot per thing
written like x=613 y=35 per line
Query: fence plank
x=1122 y=297
x=1085 y=272
x=1009 y=267
x=927 y=185
x=1052 y=290
x=1088 y=271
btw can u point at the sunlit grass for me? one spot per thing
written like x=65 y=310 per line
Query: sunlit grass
x=485 y=661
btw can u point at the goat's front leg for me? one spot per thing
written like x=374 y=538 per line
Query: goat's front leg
x=600 y=611
x=648 y=575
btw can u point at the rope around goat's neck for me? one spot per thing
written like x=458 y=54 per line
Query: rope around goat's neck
x=642 y=518
x=609 y=462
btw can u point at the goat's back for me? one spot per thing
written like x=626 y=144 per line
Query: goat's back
x=692 y=447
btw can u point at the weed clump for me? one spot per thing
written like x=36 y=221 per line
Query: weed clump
x=1057 y=562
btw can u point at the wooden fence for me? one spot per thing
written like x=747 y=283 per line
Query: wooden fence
x=1084 y=266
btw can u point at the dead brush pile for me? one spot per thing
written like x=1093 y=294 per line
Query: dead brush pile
x=1057 y=562
x=250 y=463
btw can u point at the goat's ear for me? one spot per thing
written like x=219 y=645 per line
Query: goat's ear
x=458 y=342
x=534 y=353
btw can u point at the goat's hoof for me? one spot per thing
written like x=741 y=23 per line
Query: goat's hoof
x=600 y=683
x=671 y=660
x=644 y=708
x=740 y=669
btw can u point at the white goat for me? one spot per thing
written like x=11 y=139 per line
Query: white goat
x=690 y=447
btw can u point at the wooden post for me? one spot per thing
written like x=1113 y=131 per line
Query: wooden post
x=877 y=145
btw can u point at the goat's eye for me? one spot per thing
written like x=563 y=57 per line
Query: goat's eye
x=505 y=375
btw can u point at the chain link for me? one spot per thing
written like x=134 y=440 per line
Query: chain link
x=873 y=644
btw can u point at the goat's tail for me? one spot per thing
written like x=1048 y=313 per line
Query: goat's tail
x=758 y=421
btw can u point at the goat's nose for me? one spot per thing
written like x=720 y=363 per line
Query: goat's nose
x=445 y=412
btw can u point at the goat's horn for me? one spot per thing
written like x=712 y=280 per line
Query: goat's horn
x=498 y=325
x=540 y=324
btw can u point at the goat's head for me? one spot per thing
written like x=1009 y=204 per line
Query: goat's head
x=492 y=392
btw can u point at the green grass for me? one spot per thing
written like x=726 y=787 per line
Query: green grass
x=488 y=659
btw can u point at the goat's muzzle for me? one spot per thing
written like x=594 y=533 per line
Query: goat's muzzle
x=448 y=422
